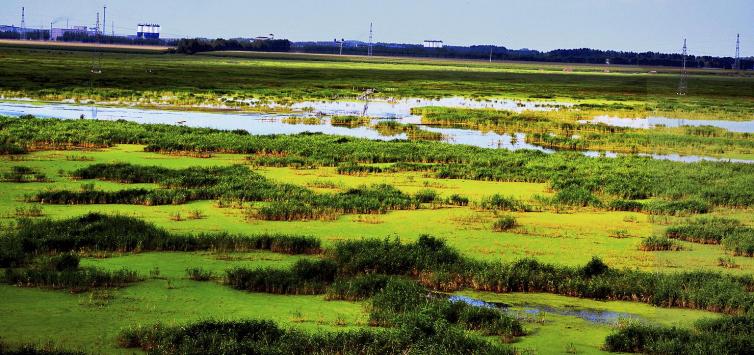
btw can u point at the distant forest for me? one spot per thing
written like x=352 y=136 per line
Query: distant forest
x=482 y=52
x=196 y=45
x=582 y=55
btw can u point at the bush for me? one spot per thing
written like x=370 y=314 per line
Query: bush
x=504 y=223
x=659 y=243
x=457 y=200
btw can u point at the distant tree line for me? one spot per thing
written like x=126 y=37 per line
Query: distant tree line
x=88 y=38
x=483 y=52
x=31 y=35
x=196 y=45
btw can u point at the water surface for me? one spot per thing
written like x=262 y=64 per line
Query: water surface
x=263 y=123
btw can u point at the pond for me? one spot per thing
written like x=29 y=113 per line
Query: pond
x=590 y=315
x=264 y=123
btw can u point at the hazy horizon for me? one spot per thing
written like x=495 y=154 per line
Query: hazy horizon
x=627 y=25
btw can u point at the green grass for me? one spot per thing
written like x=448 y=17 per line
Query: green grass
x=172 y=298
x=543 y=235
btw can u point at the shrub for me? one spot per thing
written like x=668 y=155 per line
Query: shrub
x=457 y=200
x=594 y=267
x=426 y=196
x=504 y=223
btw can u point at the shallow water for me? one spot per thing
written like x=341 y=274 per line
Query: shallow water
x=652 y=122
x=399 y=109
x=591 y=315
x=262 y=123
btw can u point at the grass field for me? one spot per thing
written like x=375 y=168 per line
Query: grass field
x=556 y=210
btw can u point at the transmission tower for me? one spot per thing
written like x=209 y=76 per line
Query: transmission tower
x=737 y=66
x=369 y=51
x=96 y=27
x=683 y=85
x=23 y=23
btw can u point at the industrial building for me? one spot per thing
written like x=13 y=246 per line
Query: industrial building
x=433 y=44
x=57 y=33
x=148 y=31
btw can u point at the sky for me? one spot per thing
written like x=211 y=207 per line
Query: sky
x=636 y=25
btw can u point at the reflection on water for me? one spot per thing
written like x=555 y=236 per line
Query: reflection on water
x=261 y=123
x=651 y=122
x=591 y=315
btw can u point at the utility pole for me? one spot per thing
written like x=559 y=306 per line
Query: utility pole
x=369 y=51
x=491 y=54
x=737 y=65
x=104 y=20
x=23 y=23
x=683 y=85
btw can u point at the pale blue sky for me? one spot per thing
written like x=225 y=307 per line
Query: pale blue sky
x=640 y=25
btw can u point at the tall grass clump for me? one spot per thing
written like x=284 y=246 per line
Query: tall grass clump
x=732 y=234
x=499 y=202
x=402 y=300
x=306 y=277
x=659 y=243
x=504 y=223
x=725 y=335
x=97 y=232
x=73 y=280
x=265 y=337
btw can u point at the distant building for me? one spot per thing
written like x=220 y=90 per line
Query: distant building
x=57 y=33
x=269 y=37
x=148 y=31
x=433 y=44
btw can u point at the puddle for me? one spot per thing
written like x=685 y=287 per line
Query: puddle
x=263 y=123
x=652 y=122
x=590 y=315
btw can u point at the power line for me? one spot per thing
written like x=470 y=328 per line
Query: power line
x=683 y=84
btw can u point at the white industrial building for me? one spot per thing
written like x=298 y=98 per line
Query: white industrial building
x=430 y=43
